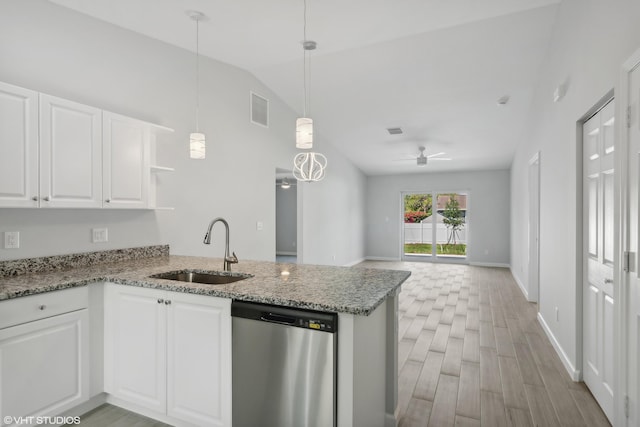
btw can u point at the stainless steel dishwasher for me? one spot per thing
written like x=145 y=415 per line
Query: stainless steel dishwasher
x=284 y=366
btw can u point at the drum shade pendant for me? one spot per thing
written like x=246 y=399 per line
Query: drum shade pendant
x=304 y=133
x=304 y=125
x=197 y=143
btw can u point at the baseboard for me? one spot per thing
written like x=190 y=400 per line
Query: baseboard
x=141 y=410
x=381 y=258
x=390 y=420
x=351 y=264
x=83 y=408
x=490 y=264
x=573 y=372
x=520 y=284
x=286 y=253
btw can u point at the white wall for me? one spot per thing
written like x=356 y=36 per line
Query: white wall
x=54 y=50
x=286 y=220
x=592 y=38
x=333 y=224
x=487 y=214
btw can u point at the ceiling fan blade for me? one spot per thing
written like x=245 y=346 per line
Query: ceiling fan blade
x=441 y=158
x=435 y=155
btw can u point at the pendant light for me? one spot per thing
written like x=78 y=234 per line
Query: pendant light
x=197 y=138
x=304 y=125
x=307 y=166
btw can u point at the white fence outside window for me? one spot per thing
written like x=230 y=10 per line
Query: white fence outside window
x=421 y=232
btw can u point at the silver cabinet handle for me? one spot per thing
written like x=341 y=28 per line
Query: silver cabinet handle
x=42 y=307
x=608 y=281
x=160 y=300
x=167 y=302
x=34 y=198
x=46 y=198
x=108 y=201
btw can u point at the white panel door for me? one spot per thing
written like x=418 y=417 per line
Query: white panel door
x=125 y=160
x=70 y=154
x=18 y=147
x=135 y=345
x=44 y=366
x=199 y=359
x=633 y=319
x=598 y=301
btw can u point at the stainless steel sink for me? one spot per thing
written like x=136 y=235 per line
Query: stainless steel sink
x=206 y=277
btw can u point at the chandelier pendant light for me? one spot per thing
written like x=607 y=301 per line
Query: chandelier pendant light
x=309 y=166
x=197 y=144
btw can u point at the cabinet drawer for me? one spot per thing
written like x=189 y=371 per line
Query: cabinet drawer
x=34 y=307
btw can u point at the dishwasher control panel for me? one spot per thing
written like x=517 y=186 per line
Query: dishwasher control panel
x=307 y=319
x=316 y=324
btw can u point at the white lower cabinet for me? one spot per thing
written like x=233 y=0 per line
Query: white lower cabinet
x=44 y=363
x=169 y=352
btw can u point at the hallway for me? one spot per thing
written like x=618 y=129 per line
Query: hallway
x=471 y=353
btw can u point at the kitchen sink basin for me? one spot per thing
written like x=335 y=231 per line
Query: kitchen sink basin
x=206 y=277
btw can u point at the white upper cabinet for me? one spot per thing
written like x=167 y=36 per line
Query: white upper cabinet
x=56 y=153
x=70 y=154
x=18 y=146
x=125 y=162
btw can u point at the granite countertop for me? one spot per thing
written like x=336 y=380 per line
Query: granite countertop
x=351 y=290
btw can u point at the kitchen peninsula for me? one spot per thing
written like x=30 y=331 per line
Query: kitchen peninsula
x=161 y=319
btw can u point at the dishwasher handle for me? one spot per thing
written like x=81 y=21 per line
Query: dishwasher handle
x=278 y=318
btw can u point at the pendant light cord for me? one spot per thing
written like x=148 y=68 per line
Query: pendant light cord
x=197 y=74
x=304 y=58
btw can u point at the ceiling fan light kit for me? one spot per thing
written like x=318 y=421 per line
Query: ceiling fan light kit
x=421 y=160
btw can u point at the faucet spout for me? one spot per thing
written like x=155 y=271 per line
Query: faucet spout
x=228 y=260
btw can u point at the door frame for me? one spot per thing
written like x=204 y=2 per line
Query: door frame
x=624 y=279
x=581 y=257
x=533 y=291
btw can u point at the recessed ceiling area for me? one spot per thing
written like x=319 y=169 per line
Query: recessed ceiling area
x=433 y=68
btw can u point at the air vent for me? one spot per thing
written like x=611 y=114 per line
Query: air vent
x=394 y=131
x=259 y=110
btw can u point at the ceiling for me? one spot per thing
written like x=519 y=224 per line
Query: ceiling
x=435 y=68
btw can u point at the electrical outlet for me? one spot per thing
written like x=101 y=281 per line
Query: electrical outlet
x=259 y=226
x=11 y=239
x=99 y=235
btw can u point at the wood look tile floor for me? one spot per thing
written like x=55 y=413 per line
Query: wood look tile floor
x=472 y=353
x=113 y=416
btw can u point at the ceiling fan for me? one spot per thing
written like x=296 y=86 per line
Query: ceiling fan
x=421 y=159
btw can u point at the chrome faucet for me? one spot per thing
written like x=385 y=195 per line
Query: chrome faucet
x=228 y=260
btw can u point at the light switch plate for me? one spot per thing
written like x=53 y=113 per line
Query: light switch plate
x=259 y=225
x=11 y=239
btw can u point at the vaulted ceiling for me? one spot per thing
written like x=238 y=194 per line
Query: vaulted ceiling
x=434 y=68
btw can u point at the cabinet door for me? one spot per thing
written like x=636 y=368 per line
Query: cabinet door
x=70 y=154
x=44 y=366
x=18 y=147
x=199 y=359
x=125 y=147
x=135 y=345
